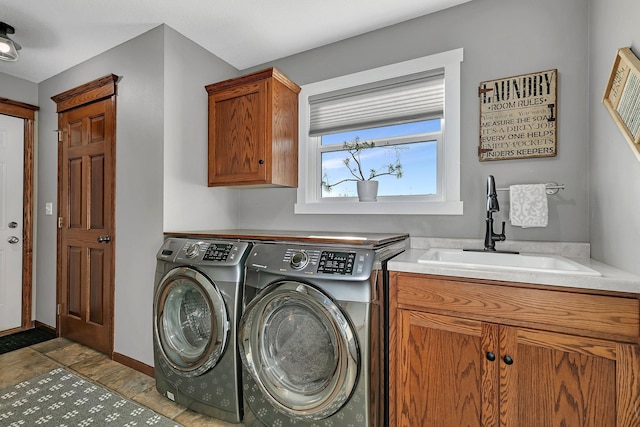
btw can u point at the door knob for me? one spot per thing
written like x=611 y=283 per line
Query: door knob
x=13 y=240
x=104 y=239
x=508 y=360
x=13 y=224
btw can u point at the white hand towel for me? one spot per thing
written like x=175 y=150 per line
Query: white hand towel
x=528 y=205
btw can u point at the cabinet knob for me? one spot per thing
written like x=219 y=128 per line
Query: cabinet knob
x=261 y=162
x=508 y=360
x=491 y=356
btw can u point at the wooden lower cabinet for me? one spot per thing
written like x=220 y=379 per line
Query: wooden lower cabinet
x=458 y=367
x=438 y=370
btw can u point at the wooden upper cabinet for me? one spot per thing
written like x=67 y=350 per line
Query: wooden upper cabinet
x=253 y=131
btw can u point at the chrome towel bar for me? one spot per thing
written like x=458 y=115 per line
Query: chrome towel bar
x=550 y=188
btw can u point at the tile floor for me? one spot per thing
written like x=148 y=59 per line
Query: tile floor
x=29 y=362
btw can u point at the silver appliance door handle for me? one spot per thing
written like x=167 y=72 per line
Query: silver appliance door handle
x=13 y=240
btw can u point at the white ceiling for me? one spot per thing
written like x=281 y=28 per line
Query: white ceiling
x=58 y=34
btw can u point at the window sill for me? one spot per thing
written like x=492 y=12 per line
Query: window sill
x=381 y=208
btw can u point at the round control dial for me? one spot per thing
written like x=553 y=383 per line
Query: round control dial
x=192 y=251
x=299 y=260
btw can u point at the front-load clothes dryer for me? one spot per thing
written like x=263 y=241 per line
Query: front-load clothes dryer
x=196 y=309
x=311 y=336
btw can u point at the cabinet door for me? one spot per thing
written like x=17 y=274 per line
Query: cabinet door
x=440 y=375
x=237 y=135
x=565 y=380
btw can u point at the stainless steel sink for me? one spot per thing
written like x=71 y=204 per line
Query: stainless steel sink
x=525 y=262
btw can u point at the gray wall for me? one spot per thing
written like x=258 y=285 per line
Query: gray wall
x=161 y=139
x=160 y=168
x=189 y=203
x=139 y=157
x=500 y=38
x=614 y=170
x=18 y=89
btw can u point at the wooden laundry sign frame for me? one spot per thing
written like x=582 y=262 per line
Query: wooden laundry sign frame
x=622 y=96
x=519 y=117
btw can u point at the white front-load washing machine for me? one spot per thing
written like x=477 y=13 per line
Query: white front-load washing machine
x=196 y=309
x=311 y=336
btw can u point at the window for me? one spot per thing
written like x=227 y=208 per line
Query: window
x=413 y=145
x=410 y=112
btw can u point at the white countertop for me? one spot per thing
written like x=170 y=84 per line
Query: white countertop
x=612 y=279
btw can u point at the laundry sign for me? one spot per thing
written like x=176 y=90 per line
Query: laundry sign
x=518 y=117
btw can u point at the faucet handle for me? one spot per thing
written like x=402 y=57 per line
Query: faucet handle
x=502 y=236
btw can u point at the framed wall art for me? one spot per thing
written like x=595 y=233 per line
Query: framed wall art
x=622 y=96
x=519 y=117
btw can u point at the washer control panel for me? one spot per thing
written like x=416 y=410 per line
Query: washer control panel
x=299 y=260
x=218 y=252
x=202 y=251
x=336 y=262
x=192 y=250
x=309 y=260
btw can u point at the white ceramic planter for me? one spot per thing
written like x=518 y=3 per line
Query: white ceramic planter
x=367 y=191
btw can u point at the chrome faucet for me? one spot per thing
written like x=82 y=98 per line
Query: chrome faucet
x=490 y=238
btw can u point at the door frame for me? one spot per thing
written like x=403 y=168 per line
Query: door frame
x=88 y=93
x=26 y=112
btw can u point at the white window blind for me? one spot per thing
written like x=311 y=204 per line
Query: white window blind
x=400 y=100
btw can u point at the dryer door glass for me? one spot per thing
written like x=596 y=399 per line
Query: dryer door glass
x=300 y=349
x=190 y=321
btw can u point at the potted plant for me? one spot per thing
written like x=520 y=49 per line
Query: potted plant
x=367 y=186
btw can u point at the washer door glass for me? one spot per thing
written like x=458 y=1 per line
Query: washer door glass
x=190 y=321
x=300 y=349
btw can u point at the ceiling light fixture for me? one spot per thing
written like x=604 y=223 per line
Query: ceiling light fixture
x=8 y=48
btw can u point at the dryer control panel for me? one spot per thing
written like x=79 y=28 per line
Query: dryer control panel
x=329 y=262
x=334 y=262
x=193 y=251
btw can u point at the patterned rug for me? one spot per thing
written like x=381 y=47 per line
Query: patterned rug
x=62 y=399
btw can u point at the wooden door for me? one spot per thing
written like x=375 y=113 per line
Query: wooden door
x=237 y=135
x=564 y=380
x=439 y=373
x=86 y=224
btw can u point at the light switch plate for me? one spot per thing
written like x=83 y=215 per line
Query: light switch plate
x=48 y=208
